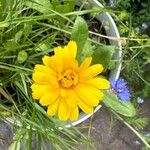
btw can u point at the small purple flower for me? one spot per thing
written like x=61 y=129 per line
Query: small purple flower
x=120 y=89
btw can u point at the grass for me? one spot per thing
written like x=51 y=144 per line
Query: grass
x=26 y=34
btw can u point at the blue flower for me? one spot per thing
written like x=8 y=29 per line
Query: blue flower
x=120 y=89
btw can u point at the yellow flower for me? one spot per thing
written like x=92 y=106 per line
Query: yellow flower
x=64 y=87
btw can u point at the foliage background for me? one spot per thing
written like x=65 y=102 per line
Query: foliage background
x=25 y=38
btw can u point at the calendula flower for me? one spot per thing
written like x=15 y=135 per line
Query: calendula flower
x=64 y=87
x=119 y=87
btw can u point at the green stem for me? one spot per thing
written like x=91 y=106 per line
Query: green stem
x=129 y=126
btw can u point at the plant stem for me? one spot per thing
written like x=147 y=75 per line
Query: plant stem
x=130 y=127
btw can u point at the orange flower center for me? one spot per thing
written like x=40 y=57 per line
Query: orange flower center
x=68 y=78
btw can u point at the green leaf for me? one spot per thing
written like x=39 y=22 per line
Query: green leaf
x=119 y=106
x=80 y=34
x=42 y=6
x=18 y=35
x=10 y=45
x=103 y=55
x=22 y=56
x=63 y=7
x=111 y=65
x=87 y=50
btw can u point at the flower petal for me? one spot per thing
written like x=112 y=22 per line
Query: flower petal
x=58 y=50
x=88 y=94
x=53 y=108
x=47 y=61
x=85 y=64
x=39 y=90
x=63 y=110
x=98 y=82
x=44 y=69
x=124 y=96
x=90 y=72
x=72 y=48
x=43 y=78
x=120 y=84
x=71 y=100
x=67 y=59
x=54 y=62
x=85 y=108
x=74 y=114
x=49 y=97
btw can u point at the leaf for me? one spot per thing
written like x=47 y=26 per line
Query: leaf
x=22 y=56
x=87 y=50
x=80 y=34
x=18 y=35
x=42 y=6
x=119 y=106
x=10 y=45
x=63 y=6
x=111 y=65
x=103 y=55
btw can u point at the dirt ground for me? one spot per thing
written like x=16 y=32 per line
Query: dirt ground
x=106 y=132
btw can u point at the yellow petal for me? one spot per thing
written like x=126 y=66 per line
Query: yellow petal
x=85 y=64
x=63 y=92
x=88 y=94
x=53 y=108
x=39 y=90
x=40 y=78
x=47 y=61
x=70 y=63
x=54 y=62
x=44 y=69
x=71 y=100
x=74 y=65
x=98 y=82
x=74 y=114
x=63 y=111
x=68 y=55
x=58 y=50
x=62 y=56
x=43 y=78
x=49 y=97
x=90 y=72
x=66 y=58
x=72 y=48
x=85 y=108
